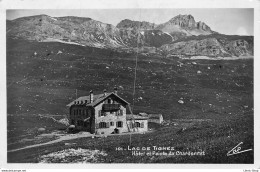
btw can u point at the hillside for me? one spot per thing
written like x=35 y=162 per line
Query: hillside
x=216 y=113
x=77 y=30
x=181 y=35
x=208 y=104
x=215 y=46
x=43 y=77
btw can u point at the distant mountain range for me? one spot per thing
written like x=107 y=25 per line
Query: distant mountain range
x=180 y=36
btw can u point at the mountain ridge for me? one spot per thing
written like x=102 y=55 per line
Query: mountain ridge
x=128 y=34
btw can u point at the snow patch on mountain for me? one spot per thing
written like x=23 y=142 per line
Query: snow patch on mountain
x=169 y=35
x=57 y=40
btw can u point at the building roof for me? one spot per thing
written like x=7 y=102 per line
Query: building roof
x=137 y=117
x=154 y=116
x=151 y=116
x=143 y=114
x=98 y=98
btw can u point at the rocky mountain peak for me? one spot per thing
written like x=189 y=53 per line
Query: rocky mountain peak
x=186 y=25
x=184 y=21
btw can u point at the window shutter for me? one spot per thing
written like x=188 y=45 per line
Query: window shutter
x=121 y=112
x=97 y=125
x=142 y=125
x=99 y=113
x=107 y=125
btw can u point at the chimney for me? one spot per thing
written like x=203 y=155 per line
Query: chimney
x=115 y=90
x=91 y=96
x=105 y=92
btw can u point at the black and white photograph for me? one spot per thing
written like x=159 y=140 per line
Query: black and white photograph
x=130 y=85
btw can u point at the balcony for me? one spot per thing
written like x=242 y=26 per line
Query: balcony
x=110 y=107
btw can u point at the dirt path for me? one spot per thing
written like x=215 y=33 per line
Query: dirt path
x=69 y=137
x=62 y=138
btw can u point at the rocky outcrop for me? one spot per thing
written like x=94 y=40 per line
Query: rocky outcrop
x=210 y=47
x=129 y=24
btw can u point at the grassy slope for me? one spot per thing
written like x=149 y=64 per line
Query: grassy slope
x=46 y=82
x=23 y=129
x=216 y=139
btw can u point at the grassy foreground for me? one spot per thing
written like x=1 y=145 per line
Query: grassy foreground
x=215 y=138
x=215 y=116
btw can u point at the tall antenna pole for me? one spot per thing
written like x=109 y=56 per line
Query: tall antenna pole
x=138 y=39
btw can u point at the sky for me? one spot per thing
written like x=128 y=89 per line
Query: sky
x=230 y=21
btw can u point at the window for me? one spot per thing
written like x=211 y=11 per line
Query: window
x=74 y=113
x=102 y=125
x=101 y=113
x=142 y=125
x=120 y=112
x=111 y=123
x=119 y=124
x=137 y=124
x=86 y=113
x=109 y=101
x=79 y=112
x=72 y=122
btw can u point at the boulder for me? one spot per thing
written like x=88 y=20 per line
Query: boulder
x=41 y=129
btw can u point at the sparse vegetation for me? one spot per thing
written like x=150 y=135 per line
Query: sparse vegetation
x=216 y=113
